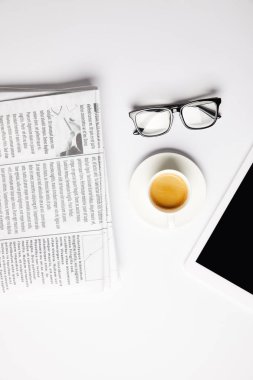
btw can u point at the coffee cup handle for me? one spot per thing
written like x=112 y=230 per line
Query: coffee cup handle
x=171 y=221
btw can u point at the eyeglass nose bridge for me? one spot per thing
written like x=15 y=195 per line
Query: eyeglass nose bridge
x=175 y=109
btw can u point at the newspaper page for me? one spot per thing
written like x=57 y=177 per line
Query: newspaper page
x=55 y=221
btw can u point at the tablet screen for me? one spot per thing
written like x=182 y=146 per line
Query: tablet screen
x=229 y=250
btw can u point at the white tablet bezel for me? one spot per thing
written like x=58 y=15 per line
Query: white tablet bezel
x=202 y=273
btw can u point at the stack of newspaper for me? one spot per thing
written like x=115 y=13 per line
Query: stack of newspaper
x=55 y=220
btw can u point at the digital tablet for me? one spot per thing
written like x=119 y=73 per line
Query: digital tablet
x=223 y=254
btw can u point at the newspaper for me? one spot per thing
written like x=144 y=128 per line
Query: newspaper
x=55 y=219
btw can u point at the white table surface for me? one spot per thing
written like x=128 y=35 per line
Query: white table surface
x=159 y=323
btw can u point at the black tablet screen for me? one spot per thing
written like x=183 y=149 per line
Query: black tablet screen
x=229 y=250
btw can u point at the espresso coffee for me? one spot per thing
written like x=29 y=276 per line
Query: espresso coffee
x=168 y=191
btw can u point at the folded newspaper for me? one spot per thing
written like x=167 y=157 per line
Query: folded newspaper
x=55 y=220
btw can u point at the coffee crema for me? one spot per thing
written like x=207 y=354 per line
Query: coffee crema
x=168 y=191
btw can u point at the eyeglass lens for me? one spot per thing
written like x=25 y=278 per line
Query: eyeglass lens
x=201 y=114
x=153 y=122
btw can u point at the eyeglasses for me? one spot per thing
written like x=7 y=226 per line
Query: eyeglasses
x=156 y=121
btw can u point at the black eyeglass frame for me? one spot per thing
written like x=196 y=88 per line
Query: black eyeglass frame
x=174 y=108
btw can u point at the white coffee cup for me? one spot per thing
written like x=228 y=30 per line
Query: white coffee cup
x=171 y=213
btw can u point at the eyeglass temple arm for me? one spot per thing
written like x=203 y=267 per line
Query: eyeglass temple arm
x=209 y=112
x=131 y=115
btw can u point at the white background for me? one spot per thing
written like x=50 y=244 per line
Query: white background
x=159 y=323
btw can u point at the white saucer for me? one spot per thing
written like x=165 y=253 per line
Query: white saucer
x=139 y=189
